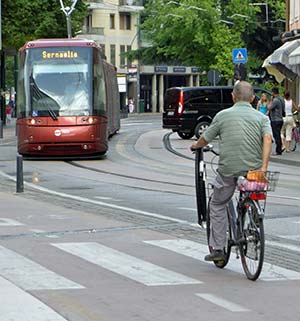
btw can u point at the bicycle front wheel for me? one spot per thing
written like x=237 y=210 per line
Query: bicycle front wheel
x=227 y=248
x=252 y=246
x=200 y=186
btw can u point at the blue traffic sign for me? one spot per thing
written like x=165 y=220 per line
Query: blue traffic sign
x=239 y=55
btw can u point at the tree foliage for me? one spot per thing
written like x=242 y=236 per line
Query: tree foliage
x=24 y=20
x=204 y=32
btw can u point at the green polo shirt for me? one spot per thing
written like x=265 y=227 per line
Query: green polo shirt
x=240 y=129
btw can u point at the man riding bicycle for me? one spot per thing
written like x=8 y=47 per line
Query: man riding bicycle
x=245 y=143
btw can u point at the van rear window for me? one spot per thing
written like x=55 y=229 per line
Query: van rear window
x=172 y=97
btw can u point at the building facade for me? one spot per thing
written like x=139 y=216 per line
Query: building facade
x=114 y=25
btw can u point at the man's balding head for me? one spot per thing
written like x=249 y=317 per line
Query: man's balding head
x=243 y=91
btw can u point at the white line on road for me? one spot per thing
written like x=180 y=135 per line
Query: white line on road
x=222 y=302
x=197 y=251
x=124 y=264
x=290 y=247
x=17 y=305
x=187 y=209
x=107 y=198
x=114 y=206
x=30 y=275
x=9 y=222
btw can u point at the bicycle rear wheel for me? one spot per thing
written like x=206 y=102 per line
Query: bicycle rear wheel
x=252 y=247
x=227 y=249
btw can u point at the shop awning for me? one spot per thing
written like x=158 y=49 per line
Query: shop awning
x=272 y=70
x=278 y=61
x=294 y=57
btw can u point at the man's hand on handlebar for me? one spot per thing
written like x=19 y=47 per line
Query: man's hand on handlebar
x=201 y=142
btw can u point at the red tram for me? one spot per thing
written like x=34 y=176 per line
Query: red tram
x=68 y=99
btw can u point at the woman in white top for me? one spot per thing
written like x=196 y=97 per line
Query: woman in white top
x=288 y=121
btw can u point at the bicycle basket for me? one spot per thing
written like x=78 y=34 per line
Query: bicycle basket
x=257 y=181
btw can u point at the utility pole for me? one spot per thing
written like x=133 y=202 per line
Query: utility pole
x=67 y=11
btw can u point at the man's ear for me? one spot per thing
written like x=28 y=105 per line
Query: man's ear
x=233 y=97
x=252 y=99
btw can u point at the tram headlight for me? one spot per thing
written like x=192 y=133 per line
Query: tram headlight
x=90 y=120
x=32 y=121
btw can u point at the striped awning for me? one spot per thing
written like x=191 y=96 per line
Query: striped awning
x=278 y=63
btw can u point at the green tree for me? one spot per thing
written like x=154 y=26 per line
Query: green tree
x=204 y=32
x=24 y=20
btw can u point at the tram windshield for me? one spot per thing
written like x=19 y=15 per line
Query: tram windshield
x=57 y=81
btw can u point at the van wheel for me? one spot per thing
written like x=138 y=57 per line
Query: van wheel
x=200 y=128
x=185 y=135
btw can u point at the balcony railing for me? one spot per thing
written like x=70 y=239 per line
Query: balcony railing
x=130 y=2
x=93 y=30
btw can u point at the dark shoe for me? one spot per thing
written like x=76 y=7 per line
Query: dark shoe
x=283 y=149
x=215 y=255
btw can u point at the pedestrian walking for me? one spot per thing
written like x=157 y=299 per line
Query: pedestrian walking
x=288 y=121
x=277 y=112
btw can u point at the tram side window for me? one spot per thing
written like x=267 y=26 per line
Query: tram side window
x=21 y=106
x=99 y=88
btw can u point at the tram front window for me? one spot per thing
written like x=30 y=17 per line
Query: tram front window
x=64 y=89
x=55 y=81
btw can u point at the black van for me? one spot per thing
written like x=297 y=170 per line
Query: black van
x=190 y=110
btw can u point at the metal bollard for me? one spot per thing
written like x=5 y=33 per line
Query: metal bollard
x=20 y=178
x=1 y=128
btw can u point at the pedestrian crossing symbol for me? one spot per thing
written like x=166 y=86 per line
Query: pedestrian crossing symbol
x=239 y=55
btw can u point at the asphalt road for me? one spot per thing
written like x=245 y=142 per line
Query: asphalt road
x=117 y=239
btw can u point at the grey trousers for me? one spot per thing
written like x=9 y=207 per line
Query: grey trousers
x=223 y=191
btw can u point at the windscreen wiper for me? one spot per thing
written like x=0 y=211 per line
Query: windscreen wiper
x=52 y=114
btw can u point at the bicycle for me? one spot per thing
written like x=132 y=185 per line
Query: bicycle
x=245 y=229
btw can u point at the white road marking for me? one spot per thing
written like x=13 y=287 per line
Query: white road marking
x=125 y=265
x=197 y=251
x=222 y=302
x=295 y=237
x=30 y=275
x=187 y=209
x=107 y=198
x=17 y=305
x=35 y=230
x=136 y=124
x=9 y=222
x=290 y=247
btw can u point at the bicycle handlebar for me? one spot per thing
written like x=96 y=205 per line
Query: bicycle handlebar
x=207 y=148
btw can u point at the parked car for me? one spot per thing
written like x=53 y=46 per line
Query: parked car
x=190 y=110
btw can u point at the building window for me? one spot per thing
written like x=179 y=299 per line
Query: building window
x=125 y=21
x=103 y=48
x=113 y=54
x=112 y=21
x=122 y=56
x=89 y=23
x=129 y=61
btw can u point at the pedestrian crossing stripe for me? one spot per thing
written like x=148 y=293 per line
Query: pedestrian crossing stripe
x=126 y=265
x=197 y=251
x=17 y=305
x=30 y=275
x=9 y=222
